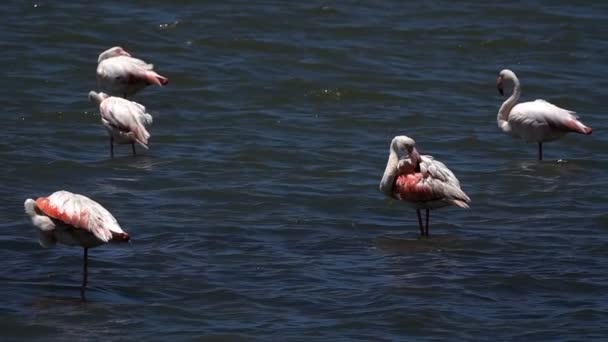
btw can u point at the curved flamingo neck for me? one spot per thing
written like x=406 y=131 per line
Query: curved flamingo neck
x=105 y=55
x=388 y=179
x=504 y=111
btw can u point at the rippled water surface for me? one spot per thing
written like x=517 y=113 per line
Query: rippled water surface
x=256 y=215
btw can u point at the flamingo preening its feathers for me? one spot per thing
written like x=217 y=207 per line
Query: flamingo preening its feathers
x=124 y=120
x=73 y=220
x=420 y=180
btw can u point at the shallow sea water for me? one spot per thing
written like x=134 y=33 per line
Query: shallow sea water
x=256 y=215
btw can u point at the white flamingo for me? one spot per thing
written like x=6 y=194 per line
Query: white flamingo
x=73 y=220
x=534 y=121
x=421 y=181
x=122 y=75
x=125 y=120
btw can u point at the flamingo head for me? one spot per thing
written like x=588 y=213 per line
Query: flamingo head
x=97 y=98
x=113 y=52
x=500 y=85
x=405 y=144
x=505 y=74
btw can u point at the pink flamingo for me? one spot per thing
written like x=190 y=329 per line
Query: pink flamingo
x=73 y=220
x=120 y=74
x=422 y=181
x=125 y=120
x=534 y=121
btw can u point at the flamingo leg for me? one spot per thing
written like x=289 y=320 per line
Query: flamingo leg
x=133 y=148
x=540 y=151
x=84 y=272
x=111 y=147
x=420 y=222
x=426 y=229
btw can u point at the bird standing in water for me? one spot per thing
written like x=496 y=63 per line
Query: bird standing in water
x=124 y=120
x=420 y=181
x=119 y=74
x=535 y=121
x=73 y=220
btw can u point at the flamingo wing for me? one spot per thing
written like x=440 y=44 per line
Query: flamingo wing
x=127 y=116
x=542 y=115
x=436 y=170
x=80 y=212
x=113 y=69
x=128 y=70
x=136 y=62
x=137 y=70
x=411 y=187
x=122 y=65
x=434 y=182
x=550 y=107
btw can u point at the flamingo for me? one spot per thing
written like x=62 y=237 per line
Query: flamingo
x=125 y=120
x=421 y=181
x=120 y=74
x=73 y=220
x=534 y=121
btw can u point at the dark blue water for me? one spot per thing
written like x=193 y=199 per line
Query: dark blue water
x=256 y=215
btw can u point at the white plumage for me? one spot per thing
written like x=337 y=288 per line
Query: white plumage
x=124 y=120
x=536 y=121
x=120 y=74
x=421 y=181
x=73 y=220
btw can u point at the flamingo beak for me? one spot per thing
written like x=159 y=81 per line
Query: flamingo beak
x=500 y=86
x=414 y=156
